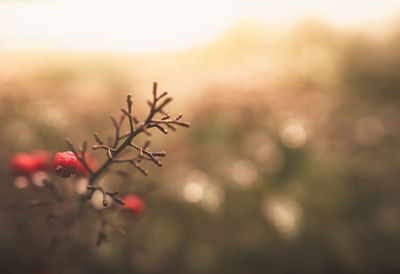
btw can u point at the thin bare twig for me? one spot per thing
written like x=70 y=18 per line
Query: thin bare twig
x=124 y=141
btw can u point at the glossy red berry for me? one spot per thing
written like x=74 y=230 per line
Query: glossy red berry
x=22 y=164
x=133 y=204
x=65 y=164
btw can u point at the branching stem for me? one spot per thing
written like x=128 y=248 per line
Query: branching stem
x=122 y=142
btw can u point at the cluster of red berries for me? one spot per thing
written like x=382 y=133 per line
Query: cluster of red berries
x=66 y=164
x=24 y=164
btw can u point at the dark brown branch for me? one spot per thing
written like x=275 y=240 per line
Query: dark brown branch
x=78 y=156
x=117 y=126
x=122 y=142
x=142 y=170
x=112 y=195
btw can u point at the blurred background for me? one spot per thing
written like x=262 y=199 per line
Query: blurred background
x=292 y=161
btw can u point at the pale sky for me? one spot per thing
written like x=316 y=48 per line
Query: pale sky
x=150 y=25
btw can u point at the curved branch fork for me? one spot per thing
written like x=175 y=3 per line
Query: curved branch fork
x=122 y=142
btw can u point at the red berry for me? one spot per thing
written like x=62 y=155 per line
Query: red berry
x=134 y=204
x=81 y=169
x=42 y=160
x=65 y=164
x=22 y=164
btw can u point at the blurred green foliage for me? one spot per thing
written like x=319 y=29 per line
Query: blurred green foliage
x=291 y=166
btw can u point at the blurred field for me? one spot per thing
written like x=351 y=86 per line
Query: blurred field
x=291 y=165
